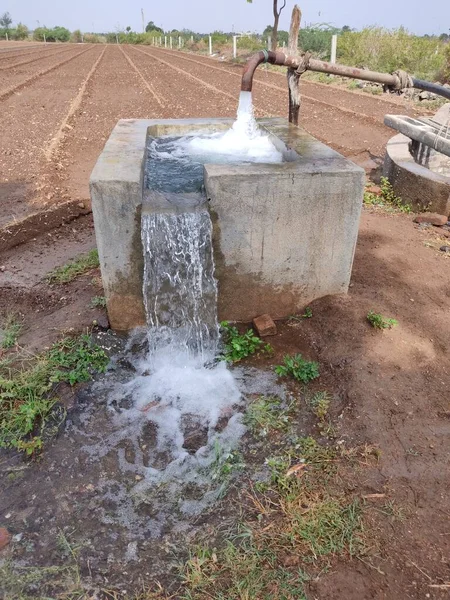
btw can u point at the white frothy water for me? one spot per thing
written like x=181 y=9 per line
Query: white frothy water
x=191 y=400
x=180 y=378
x=244 y=142
x=180 y=292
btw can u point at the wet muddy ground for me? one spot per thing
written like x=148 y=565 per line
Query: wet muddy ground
x=389 y=390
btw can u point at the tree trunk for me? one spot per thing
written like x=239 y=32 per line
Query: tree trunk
x=292 y=76
x=276 y=16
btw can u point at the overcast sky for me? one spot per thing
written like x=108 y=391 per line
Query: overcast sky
x=419 y=17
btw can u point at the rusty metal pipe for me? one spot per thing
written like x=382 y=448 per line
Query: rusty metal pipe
x=264 y=56
x=312 y=64
x=325 y=67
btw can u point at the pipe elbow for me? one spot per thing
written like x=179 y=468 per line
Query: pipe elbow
x=264 y=56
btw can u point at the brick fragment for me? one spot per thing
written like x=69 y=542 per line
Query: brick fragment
x=432 y=218
x=265 y=326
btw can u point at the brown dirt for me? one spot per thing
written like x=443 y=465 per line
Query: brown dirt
x=133 y=82
x=391 y=388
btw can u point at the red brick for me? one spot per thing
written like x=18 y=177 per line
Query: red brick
x=432 y=218
x=265 y=326
x=5 y=537
x=374 y=189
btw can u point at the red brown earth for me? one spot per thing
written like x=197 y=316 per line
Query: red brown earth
x=391 y=388
x=60 y=102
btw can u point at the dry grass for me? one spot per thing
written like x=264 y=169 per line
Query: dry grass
x=298 y=521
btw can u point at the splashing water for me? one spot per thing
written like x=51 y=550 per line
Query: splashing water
x=244 y=142
x=179 y=385
x=177 y=415
x=177 y=162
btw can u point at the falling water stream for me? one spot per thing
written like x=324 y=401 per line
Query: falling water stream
x=177 y=408
x=180 y=291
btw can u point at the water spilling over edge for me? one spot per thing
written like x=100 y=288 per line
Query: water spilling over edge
x=180 y=380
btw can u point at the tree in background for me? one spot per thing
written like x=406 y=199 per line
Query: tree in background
x=283 y=36
x=276 y=15
x=59 y=34
x=5 y=21
x=152 y=27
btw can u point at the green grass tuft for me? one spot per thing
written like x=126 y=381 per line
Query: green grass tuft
x=378 y=321
x=11 y=329
x=387 y=200
x=296 y=521
x=80 y=265
x=98 y=302
x=267 y=414
x=27 y=393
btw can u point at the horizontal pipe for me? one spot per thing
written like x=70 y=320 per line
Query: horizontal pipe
x=335 y=69
x=312 y=64
x=434 y=88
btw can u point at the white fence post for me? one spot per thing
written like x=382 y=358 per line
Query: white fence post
x=170 y=42
x=165 y=41
x=333 y=48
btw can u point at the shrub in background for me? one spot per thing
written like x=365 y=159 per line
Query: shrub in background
x=386 y=50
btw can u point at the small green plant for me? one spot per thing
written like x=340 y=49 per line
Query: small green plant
x=28 y=395
x=387 y=199
x=267 y=413
x=226 y=463
x=238 y=346
x=98 y=302
x=80 y=265
x=74 y=360
x=306 y=315
x=378 y=321
x=320 y=404
x=11 y=330
x=299 y=368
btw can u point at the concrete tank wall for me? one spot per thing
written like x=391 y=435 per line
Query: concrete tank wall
x=283 y=234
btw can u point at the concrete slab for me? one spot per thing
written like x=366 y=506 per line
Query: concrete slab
x=418 y=173
x=284 y=234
